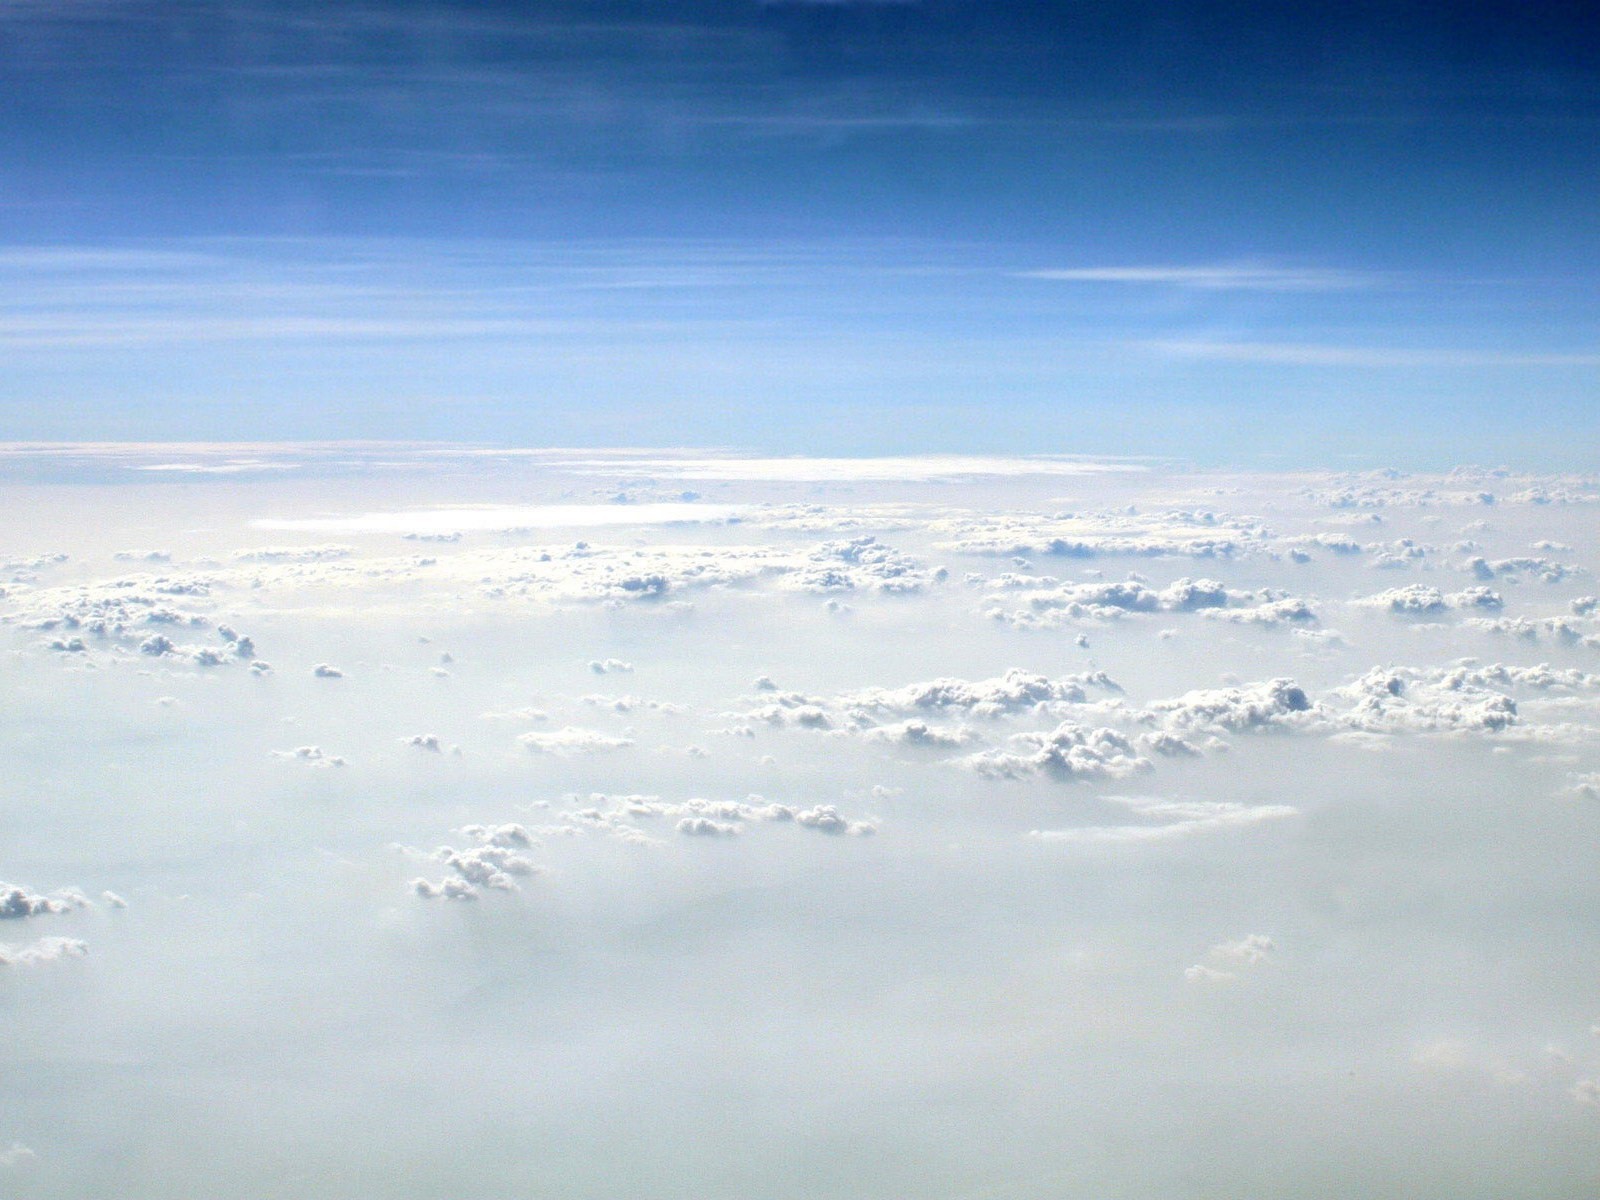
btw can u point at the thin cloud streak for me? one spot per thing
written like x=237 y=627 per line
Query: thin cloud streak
x=1215 y=278
x=1295 y=354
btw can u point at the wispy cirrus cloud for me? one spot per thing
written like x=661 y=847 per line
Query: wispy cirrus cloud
x=1215 y=277
x=1311 y=354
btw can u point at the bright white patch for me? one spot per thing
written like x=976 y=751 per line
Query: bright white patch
x=500 y=518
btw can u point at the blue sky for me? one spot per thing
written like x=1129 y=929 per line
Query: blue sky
x=1229 y=231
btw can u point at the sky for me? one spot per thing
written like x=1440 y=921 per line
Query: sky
x=799 y=600
x=1264 y=233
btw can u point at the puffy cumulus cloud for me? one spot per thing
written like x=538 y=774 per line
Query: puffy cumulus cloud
x=1271 y=704
x=1299 y=546
x=1535 y=630
x=28 y=568
x=494 y=861
x=861 y=562
x=510 y=836
x=294 y=554
x=576 y=573
x=1396 y=555
x=44 y=950
x=1049 y=604
x=16 y=1155
x=1016 y=691
x=498 y=853
x=1465 y=697
x=571 y=740
x=327 y=671
x=610 y=666
x=1460 y=698
x=706 y=827
x=429 y=741
x=726 y=817
x=589 y=573
x=1250 y=949
x=922 y=735
x=791 y=708
x=1159 y=819
x=1540 y=678
x=1226 y=960
x=311 y=756
x=1395 y=701
x=1400 y=489
x=627 y=704
x=1168 y=745
x=444 y=889
x=1585 y=786
x=1068 y=752
x=833 y=520
x=134 y=614
x=1172 y=534
x=17 y=902
x=1283 y=610
x=1548 y=570
x=825 y=818
x=1420 y=600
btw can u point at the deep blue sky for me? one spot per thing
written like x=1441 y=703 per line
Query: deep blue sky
x=1228 y=229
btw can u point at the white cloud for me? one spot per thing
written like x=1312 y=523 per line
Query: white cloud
x=16 y=1155
x=1273 y=704
x=1420 y=600
x=503 y=518
x=1070 y=751
x=44 y=950
x=1158 y=819
x=17 y=902
x=1215 y=277
x=572 y=740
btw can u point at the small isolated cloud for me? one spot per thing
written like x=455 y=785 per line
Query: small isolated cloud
x=1070 y=751
x=294 y=554
x=572 y=740
x=1251 y=949
x=16 y=1155
x=312 y=756
x=326 y=671
x=825 y=818
x=1226 y=960
x=1163 y=820
x=45 y=950
x=610 y=666
x=493 y=862
x=17 y=902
